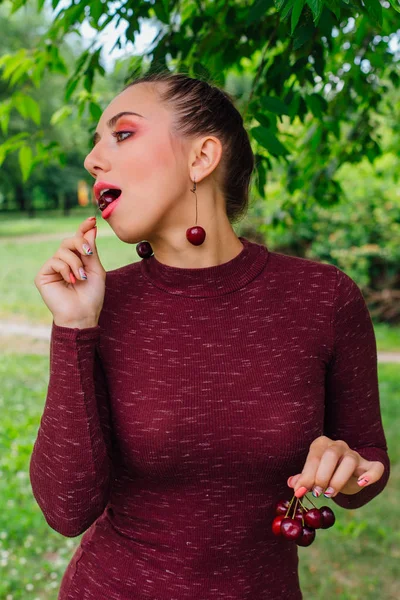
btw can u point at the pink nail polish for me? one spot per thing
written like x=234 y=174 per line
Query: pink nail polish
x=362 y=482
x=300 y=492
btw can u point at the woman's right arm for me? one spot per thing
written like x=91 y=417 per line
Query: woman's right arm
x=71 y=463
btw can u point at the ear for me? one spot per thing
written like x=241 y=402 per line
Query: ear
x=204 y=157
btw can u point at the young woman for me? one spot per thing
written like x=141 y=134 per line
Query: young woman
x=186 y=387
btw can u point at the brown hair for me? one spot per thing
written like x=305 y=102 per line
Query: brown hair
x=202 y=108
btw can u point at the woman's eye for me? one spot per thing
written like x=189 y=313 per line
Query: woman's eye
x=117 y=133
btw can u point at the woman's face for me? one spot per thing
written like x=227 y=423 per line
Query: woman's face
x=147 y=163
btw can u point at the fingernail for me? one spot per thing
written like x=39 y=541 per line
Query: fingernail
x=289 y=480
x=328 y=492
x=82 y=273
x=92 y=218
x=72 y=278
x=316 y=491
x=300 y=492
x=362 y=482
x=87 y=249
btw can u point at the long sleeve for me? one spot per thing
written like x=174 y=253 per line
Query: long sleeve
x=71 y=463
x=352 y=405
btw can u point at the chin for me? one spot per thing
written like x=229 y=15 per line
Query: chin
x=130 y=236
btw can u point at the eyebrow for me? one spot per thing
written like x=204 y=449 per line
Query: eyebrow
x=113 y=121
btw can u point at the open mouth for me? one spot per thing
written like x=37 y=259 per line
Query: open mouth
x=107 y=197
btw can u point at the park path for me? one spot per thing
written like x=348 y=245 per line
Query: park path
x=29 y=338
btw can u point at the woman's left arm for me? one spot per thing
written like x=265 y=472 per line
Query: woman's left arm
x=353 y=445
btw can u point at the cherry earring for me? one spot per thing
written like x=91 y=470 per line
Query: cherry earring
x=144 y=249
x=195 y=235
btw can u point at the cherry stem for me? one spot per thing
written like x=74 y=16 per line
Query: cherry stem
x=310 y=501
x=290 y=504
x=295 y=507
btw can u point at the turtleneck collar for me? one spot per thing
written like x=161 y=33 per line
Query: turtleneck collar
x=208 y=281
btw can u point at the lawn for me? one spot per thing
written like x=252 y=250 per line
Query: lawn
x=21 y=301
x=357 y=558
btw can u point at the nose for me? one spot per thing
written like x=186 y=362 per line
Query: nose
x=96 y=161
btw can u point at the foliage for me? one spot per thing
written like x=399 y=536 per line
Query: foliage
x=323 y=62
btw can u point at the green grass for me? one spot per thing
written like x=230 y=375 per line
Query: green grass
x=45 y=222
x=356 y=558
x=20 y=300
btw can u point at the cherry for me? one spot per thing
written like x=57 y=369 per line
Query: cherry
x=307 y=536
x=276 y=525
x=313 y=518
x=299 y=515
x=328 y=517
x=196 y=235
x=144 y=249
x=290 y=528
x=281 y=507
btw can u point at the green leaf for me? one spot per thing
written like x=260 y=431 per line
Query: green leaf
x=161 y=9
x=258 y=11
x=317 y=104
x=5 y=109
x=296 y=12
x=287 y=7
x=334 y=6
x=316 y=8
x=303 y=33
x=95 y=110
x=71 y=86
x=261 y=175
x=96 y=10
x=27 y=107
x=268 y=140
x=263 y=120
x=395 y=4
x=275 y=105
x=60 y=115
x=374 y=9
x=25 y=161
x=13 y=63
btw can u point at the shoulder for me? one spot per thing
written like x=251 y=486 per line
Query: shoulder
x=314 y=276
x=302 y=268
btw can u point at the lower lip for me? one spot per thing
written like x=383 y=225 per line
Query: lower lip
x=107 y=211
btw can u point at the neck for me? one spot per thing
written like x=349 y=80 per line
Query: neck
x=220 y=246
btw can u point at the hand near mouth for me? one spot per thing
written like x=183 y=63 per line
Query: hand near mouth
x=72 y=281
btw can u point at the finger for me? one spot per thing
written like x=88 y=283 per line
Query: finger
x=293 y=479
x=307 y=476
x=331 y=485
x=373 y=474
x=84 y=247
x=58 y=268
x=76 y=265
x=86 y=225
x=330 y=461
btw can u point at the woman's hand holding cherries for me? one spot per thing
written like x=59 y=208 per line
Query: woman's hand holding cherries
x=332 y=467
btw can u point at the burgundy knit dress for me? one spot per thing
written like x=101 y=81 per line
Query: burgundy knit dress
x=170 y=429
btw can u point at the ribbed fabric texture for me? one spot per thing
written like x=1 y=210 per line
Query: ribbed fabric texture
x=170 y=429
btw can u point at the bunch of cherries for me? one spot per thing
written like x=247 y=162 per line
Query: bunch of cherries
x=301 y=526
